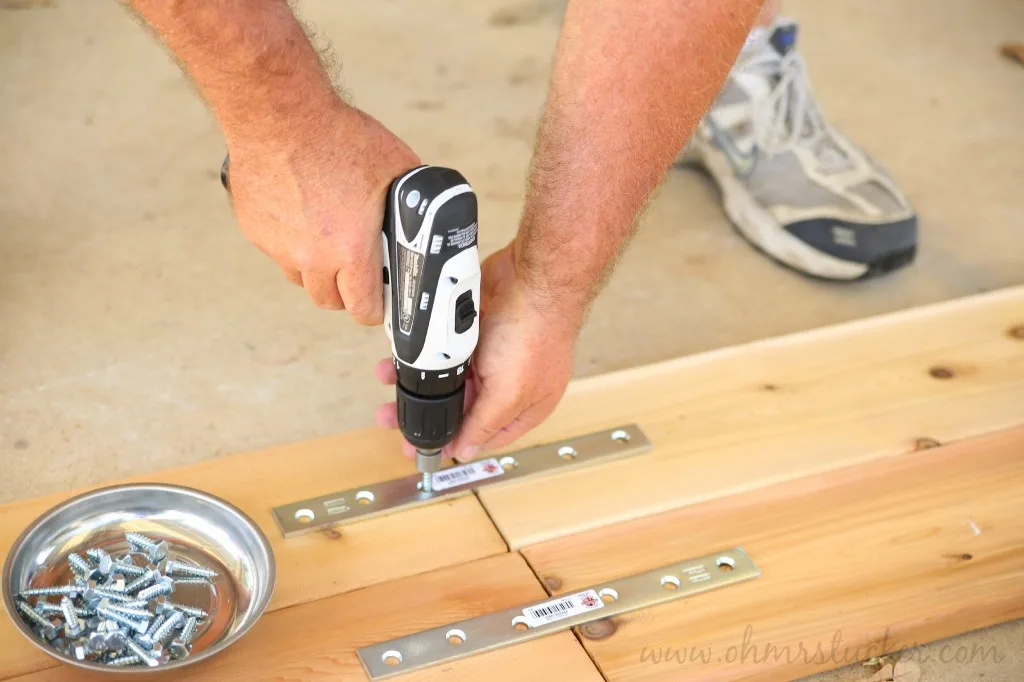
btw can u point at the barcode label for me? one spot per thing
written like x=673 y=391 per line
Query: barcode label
x=466 y=473
x=563 y=607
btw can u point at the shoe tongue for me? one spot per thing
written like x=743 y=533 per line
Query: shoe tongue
x=783 y=38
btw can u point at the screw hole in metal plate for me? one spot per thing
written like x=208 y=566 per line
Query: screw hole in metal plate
x=364 y=497
x=519 y=623
x=726 y=563
x=342 y=506
x=392 y=657
x=455 y=636
x=620 y=436
x=670 y=582
x=304 y=515
x=608 y=595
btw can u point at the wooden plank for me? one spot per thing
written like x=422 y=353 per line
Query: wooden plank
x=722 y=422
x=318 y=641
x=316 y=565
x=745 y=417
x=875 y=557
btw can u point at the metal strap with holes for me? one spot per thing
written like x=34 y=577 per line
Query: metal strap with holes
x=514 y=626
x=371 y=500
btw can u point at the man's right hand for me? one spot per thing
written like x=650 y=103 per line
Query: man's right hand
x=312 y=198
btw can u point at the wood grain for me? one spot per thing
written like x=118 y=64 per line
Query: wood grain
x=318 y=641
x=312 y=566
x=723 y=422
x=876 y=557
x=745 y=417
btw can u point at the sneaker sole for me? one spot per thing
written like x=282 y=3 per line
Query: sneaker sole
x=760 y=230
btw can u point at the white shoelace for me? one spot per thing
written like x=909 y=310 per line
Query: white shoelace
x=788 y=116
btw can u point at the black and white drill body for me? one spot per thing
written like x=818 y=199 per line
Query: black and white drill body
x=431 y=303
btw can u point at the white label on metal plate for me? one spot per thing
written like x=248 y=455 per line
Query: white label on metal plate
x=563 y=607
x=466 y=473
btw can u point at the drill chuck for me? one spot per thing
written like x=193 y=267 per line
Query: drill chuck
x=429 y=422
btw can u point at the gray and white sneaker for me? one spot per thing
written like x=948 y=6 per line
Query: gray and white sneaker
x=791 y=184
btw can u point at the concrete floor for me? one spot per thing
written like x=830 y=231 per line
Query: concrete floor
x=139 y=330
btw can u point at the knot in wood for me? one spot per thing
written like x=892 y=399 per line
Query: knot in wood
x=941 y=373
x=599 y=629
x=552 y=583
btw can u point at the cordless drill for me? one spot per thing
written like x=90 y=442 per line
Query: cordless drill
x=431 y=304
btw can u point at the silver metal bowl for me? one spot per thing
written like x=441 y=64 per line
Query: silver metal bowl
x=196 y=526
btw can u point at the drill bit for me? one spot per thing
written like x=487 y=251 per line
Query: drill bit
x=428 y=461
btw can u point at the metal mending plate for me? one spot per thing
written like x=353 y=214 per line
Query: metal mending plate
x=379 y=498
x=523 y=623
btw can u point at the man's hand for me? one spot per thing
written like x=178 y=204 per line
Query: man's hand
x=520 y=369
x=309 y=174
x=314 y=202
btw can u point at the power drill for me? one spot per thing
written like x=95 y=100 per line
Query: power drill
x=431 y=304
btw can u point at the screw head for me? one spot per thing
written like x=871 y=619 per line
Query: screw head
x=80 y=651
x=52 y=628
x=97 y=641
x=160 y=604
x=115 y=641
x=179 y=649
x=115 y=582
x=157 y=552
x=89 y=593
x=159 y=653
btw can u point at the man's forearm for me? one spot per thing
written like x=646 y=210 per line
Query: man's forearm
x=252 y=62
x=630 y=82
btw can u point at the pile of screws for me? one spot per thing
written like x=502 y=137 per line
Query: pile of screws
x=116 y=611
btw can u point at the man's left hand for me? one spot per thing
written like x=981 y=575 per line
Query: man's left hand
x=520 y=370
